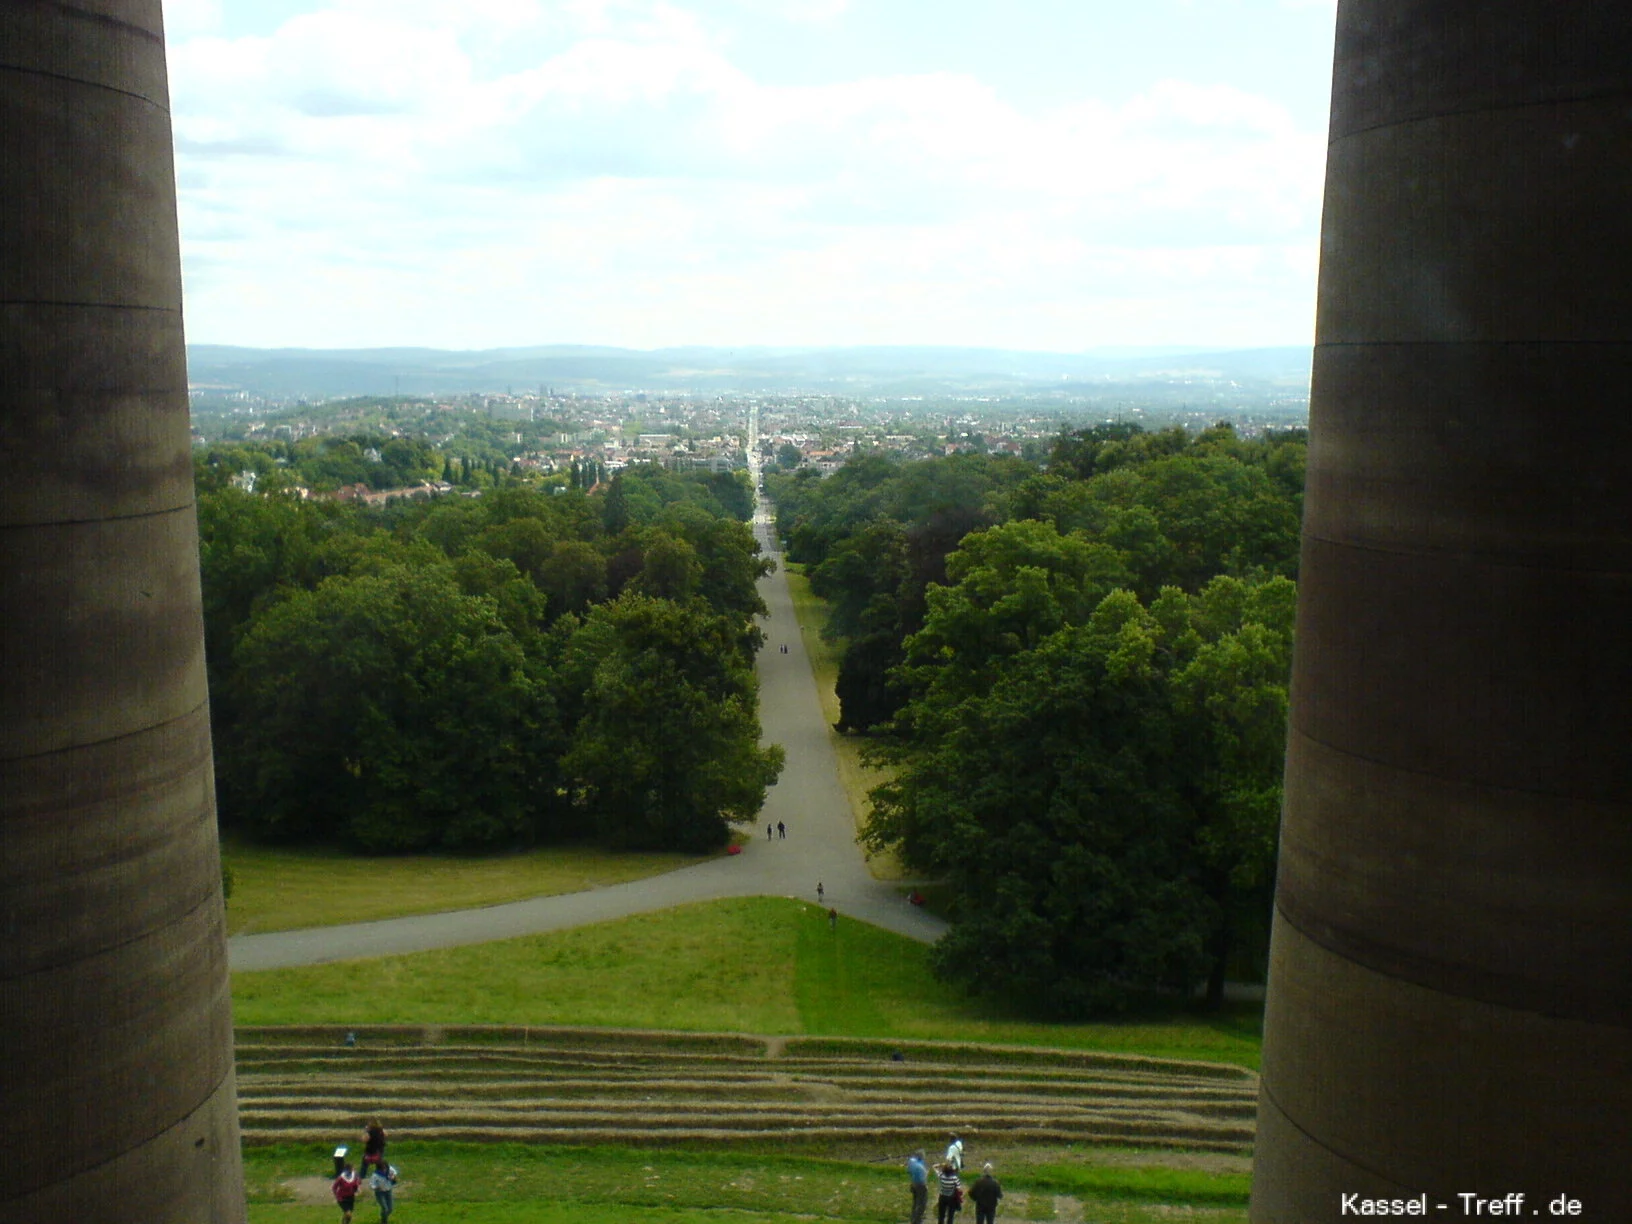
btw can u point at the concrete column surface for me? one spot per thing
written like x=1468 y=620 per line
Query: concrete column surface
x=117 y=1099
x=1451 y=968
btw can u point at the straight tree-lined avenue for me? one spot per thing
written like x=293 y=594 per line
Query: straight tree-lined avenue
x=808 y=799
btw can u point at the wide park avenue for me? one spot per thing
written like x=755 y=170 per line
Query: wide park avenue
x=808 y=799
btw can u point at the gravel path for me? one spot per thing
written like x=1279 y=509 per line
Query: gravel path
x=809 y=799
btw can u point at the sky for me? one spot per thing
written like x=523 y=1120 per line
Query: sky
x=1059 y=175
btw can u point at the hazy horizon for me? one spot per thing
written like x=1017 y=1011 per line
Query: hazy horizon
x=1250 y=374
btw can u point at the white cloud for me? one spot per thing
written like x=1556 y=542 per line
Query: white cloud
x=188 y=18
x=799 y=10
x=505 y=171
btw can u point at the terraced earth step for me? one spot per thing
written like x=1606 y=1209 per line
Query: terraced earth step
x=500 y=1061
x=622 y=1043
x=780 y=1115
x=393 y=1086
x=497 y=1069
x=821 y=1138
x=600 y=1086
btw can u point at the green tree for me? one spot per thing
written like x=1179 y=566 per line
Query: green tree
x=1229 y=684
x=669 y=569
x=573 y=577
x=392 y=711
x=248 y=545
x=726 y=551
x=665 y=753
x=1045 y=802
x=1011 y=587
x=861 y=579
x=1101 y=790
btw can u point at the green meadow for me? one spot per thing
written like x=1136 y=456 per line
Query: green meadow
x=754 y=964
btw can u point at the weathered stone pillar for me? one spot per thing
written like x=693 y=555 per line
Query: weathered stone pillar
x=116 y=1083
x=1451 y=972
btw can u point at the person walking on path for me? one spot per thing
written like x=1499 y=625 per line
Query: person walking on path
x=781 y=829
x=946 y=1207
x=767 y=832
x=918 y=1175
x=382 y=1181
x=985 y=1193
x=345 y=1188
x=954 y=1153
x=832 y=919
x=818 y=890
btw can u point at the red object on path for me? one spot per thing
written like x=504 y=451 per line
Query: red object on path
x=733 y=849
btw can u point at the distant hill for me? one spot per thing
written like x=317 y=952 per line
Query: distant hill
x=880 y=371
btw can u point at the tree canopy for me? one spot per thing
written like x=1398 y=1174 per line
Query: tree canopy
x=486 y=671
x=1077 y=677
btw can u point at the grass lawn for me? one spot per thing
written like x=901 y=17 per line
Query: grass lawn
x=282 y=888
x=755 y=965
x=856 y=778
x=512 y=1184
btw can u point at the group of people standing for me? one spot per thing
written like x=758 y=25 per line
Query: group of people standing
x=381 y=1176
x=985 y=1192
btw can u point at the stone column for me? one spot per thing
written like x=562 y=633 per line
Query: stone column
x=1451 y=969
x=116 y=1081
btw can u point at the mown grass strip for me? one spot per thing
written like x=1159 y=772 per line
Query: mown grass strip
x=522 y=1039
x=1148 y=1184
x=280 y=888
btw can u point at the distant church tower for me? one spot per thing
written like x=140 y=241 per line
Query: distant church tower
x=1451 y=974
x=116 y=1084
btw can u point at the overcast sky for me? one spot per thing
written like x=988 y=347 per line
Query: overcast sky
x=1040 y=174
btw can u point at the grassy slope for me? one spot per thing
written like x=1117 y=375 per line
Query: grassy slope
x=282 y=888
x=757 y=965
x=510 y=1184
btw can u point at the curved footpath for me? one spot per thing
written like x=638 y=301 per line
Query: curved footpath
x=819 y=848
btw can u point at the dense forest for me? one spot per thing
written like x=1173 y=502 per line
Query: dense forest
x=1078 y=680
x=521 y=667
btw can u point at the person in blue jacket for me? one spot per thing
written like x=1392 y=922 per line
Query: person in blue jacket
x=918 y=1172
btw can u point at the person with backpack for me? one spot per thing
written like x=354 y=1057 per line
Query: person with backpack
x=382 y=1181
x=345 y=1188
